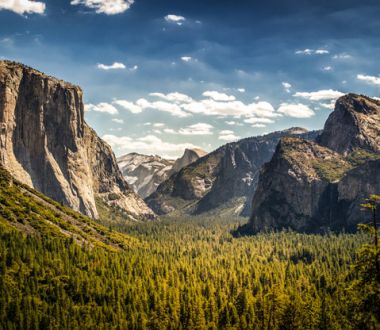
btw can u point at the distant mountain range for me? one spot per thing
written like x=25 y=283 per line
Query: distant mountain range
x=145 y=173
x=222 y=181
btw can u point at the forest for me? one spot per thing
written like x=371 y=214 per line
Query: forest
x=190 y=273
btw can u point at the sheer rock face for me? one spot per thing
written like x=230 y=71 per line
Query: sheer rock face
x=225 y=175
x=45 y=143
x=353 y=124
x=314 y=187
x=145 y=173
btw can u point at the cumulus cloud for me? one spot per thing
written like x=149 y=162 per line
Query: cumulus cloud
x=216 y=104
x=175 y=19
x=228 y=135
x=219 y=96
x=186 y=58
x=108 y=7
x=255 y=120
x=233 y=108
x=369 y=79
x=113 y=66
x=173 y=97
x=22 y=7
x=130 y=106
x=149 y=144
x=325 y=94
x=296 y=110
x=241 y=90
x=195 y=129
x=102 y=107
x=287 y=86
x=327 y=68
x=308 y=51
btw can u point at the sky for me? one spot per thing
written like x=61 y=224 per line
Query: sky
x=162 y=76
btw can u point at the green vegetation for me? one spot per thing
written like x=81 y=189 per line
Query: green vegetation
x=334 y=169
x=60 y=270
x=31 y=212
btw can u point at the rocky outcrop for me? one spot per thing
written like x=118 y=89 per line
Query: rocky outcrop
x=188 y=157
x=353 y=124
x=145 y=173
x=225 y=178
x=46 y=144
x=315 y=187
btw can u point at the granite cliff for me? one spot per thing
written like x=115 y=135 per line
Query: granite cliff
x=319 y=186
x=46 y=144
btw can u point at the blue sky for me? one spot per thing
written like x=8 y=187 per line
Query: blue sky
x=160 y=76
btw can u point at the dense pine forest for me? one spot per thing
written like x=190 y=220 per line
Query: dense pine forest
x=189 y=274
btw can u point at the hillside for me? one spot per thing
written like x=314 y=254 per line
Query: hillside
x=25 y=210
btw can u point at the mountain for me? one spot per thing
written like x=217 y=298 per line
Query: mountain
x=145 y=173
x=222 y=181
x=319 y=186
x=46 y=144
x=188 y=157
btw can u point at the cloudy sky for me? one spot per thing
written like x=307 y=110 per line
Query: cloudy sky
x=160 y=76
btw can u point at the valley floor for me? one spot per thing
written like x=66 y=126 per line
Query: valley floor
x=184 y=274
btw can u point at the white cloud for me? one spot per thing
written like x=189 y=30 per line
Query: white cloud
x=195 y=129
x=175 y=19
x=233 y=123
x=342 y=56
x=256 y=120
x=241 y=90
x=321 y=51
x=173 y=97
x=330 y=105
x=308 y=51
x=113 y=66
x=186 y=58
x=259 y=125
x=369 y=79
x=325 y=94
x=134 y=68
x=232 y=108
x=158 y=125
x=216 y=96
x=22 y=7
x=173 y=109
x=108 y=7
x=117 y=120
x=102 y=107
x=287 y=86
x=327 y=68
x=149 y=144
x=128 y=106
x=296 y=110
x=228 y=135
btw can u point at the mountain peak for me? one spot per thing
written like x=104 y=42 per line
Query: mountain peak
x=355 y=123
